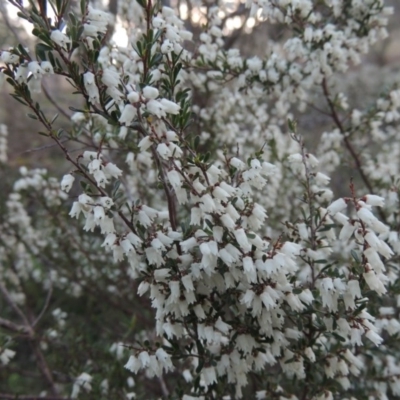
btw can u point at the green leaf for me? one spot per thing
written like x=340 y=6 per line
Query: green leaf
x=196 y=142
x=117 y=184
x=83 y=7
x=19 y=99
x=338 y=337
x=41 y=49
x=292 y=125
x=59 y=4
x=355 y=256
x=73 y=18
x=209 y=223
x=201 y=363
x=54 y=118
x=11 y=82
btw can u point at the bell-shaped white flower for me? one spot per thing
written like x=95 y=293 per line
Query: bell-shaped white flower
x=67 y=182
x=150 y=93
x=60 y=38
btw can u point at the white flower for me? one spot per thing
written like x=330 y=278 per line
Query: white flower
x=134 y=239
x=242 y=240
x=374 y=200
x=75 y=210
x=209 y=248
x=127 y=246
x=9 y=58
x=372 y=240
x=156 y=108
x=254 y=64
x=111 y=169
x=374 y=282
x=337 y=206
x=170 y=107
x=374 y=337
x=110 y=240
x=118 y=253
x=100 y=178
x=145 y=143
x=164 y=151
x=90 y=155
x=6 y=355
x=322 y=179
x=366 y=216
x=47 y=67
x=195 y=216
x=150 y=92
x=291 y=249
x=249 y=269
x=157 y=244
x=238 y=164
x=346 y=232
x=228 y=221
x=312 y=160
x=60 y=38
x=36 y=69
x=174 y=178
x=144 y=358
x=21 y=74
x=85 y=199
x=106 y=202
x=81 y=382
x=94 y=165
x=67 y=182
x=296 y=158
x=209 y=376
x=91 y=87
x=107 y=225
x=98 y=213
x=294 y=302
x=220 y=194
x=384 y=249
x=167 y=47
x=134 y=364
x=133 y=97
x=128 y=114
x=143 y=288
x=310 y=354
x=110 y=77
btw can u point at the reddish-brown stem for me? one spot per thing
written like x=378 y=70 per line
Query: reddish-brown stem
x=347 y=142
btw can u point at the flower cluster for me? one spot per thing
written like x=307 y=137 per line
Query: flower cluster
x=257 y=275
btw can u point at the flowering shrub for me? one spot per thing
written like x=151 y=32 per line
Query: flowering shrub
x=206 y=254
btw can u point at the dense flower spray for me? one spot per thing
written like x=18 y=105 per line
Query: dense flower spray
x=262 y=283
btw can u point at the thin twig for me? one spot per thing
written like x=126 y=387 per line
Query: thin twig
x=54 y=103
x=42 y=364
x=47 y=146
x=5 y=323
x=14 y=306
x=348 y=144
x=46 y=303
x=10 y=26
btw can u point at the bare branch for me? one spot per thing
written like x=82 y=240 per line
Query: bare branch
x=5 y=323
